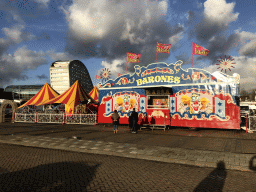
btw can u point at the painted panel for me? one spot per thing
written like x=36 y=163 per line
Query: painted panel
x=108 y=107
x=143 y=104
x=172 y=104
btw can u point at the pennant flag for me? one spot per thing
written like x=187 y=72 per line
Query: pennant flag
x=163 y=48
x=119 y=74
x=98 y=77
x=45 y=93
x=133 y=58
x=199 y=50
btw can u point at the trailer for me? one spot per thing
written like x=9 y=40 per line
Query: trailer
x=165 y=94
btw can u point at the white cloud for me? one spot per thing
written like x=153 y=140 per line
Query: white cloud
x=12 y=66
x=60 y=55
x=109 y=29
x=43 y=3
x=14 y=33
x=219 y=11
x=115 y=67
x=163 y=5
x=248 y=49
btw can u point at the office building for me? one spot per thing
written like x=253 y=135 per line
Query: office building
x=63 y=74
x=24 y=92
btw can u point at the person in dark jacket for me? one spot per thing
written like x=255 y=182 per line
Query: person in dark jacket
x=134 y=119
x=115 y=116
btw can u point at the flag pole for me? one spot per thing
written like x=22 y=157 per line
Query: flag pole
x=192 y=60
x=192 y=54
x=156 y=52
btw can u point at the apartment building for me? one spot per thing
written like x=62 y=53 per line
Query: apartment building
x=63 y=74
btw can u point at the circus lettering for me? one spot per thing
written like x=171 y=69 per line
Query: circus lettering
x=162 y=78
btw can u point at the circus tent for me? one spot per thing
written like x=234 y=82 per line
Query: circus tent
x=45 y=93
x=95 y=93
x=72 y=97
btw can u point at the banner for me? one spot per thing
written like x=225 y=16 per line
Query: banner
x=199 y=50
x=163 y=48
x=133 y=58
x=98 y=77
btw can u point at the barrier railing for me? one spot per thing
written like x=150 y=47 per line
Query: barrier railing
x=89 y=119
x=252 y=123
x=28 y=118
x=49 y=118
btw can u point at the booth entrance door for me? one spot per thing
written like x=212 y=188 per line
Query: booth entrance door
x=158 y=110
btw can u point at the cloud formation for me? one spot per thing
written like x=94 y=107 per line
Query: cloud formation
x=210 y=31
x=43 y=76
x=12 y=66
x=109 y=29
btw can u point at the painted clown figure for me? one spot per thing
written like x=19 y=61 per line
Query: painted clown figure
x=195 y=103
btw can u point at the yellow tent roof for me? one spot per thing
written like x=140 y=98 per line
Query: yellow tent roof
x=45 y=93
x=72 y=97
x=95 y=93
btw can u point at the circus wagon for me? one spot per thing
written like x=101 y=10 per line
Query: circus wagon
x=166 y=94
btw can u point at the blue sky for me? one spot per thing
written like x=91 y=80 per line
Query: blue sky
x=35 y=33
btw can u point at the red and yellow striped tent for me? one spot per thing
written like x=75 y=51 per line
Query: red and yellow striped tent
x=95 y=93
x=45 y=93
x=71 y=98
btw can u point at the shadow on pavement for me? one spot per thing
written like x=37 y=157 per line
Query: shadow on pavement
x=215 y=180
x=252 y=165
x=62 y=176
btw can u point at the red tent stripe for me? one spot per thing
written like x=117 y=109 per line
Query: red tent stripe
x=40 y=98
x=35 y=97
x=68 y=95
x=59 y=98
x=50 y=93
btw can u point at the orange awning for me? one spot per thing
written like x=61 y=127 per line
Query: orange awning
x=95 y=93
x=72 y=97
x=45 y=93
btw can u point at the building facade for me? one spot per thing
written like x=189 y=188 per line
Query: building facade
x=22 y=92
x=63 y=74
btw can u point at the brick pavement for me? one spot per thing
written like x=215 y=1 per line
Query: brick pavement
x=199 y=149
x=41 y=169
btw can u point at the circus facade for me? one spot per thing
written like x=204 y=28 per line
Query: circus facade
x=166 y=94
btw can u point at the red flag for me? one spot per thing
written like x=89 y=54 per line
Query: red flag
x=98 y=77
x=133 y=58
x=163 y=48
x=119 y=74
x=199 y=50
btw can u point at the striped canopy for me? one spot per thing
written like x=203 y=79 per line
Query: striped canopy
x=72 y=97
x=45 y=93
x=95 y=93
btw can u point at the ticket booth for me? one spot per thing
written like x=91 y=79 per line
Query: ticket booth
x=166 y=94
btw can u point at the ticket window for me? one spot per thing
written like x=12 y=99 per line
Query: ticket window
x=157 y=102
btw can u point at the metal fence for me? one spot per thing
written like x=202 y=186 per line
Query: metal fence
x=89 y=119
x=28 y=118
x=50 y=118
x=252 y=123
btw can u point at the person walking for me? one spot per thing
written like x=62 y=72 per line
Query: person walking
x=134 y=119
x=115 y=116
